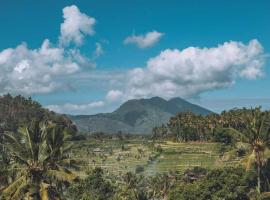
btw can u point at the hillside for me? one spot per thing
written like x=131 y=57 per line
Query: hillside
x=18 y=110
x=136 y=116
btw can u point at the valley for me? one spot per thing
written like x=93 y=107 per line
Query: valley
x=120 y=157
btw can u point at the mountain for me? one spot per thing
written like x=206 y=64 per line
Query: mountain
x=136 y=116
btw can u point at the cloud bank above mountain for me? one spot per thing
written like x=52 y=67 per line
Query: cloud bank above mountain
x=189 y=72
x=194 y=70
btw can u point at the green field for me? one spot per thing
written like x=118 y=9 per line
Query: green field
x=116 y=156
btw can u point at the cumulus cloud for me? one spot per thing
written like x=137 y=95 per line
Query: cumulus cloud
x=192 y=71
x=46 y=69
x=69 y=108
x=114 y=95
x=76 y=25
x=186 y=73
x=31 y=71
x=144 y=41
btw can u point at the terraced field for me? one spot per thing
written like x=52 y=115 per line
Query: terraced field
x=122 y=156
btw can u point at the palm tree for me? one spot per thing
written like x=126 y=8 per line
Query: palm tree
x=39 y=156
x=155 y=133
x=257 y=134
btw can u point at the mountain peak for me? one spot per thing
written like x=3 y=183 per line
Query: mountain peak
x=177 y=99
x=137 y=115
x=157 y=98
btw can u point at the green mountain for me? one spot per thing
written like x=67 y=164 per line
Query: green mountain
x=136 y=116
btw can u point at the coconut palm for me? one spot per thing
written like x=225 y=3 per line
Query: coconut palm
x=257 y=134
x=39 y=156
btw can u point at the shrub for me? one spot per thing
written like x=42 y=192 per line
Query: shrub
x=228 y=183
x=139 y=169
x=94 y=187
x=226 y=136
x=159 y=149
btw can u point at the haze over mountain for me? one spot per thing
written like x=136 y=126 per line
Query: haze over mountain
x=136 y=116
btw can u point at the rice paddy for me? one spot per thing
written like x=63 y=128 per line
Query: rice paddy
x=118 y=157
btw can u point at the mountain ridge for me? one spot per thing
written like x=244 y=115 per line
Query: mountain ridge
x=137 y=116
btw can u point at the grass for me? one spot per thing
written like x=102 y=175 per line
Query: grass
x=118 y=157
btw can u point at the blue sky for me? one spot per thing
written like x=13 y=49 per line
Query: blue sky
x=84 y=87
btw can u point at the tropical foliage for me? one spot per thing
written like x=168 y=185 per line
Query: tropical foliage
x=18 y=110
x=187 y=126
x=36 y=160
x=227 y=183
x=39 y=159
x=94 y=187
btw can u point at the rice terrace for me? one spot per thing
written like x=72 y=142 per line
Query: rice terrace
x=110 y=156
x=135 y=100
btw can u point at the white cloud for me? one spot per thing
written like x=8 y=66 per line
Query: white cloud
x=75 y=26
x=192 y=71
x=186 y=73
x=48 y=68
x=114 y=95
x=144 y=41
x=99 y=50
x=33 y=71
x=70 y=108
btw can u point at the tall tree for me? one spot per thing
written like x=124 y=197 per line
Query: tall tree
x=39 y=155
x=257 y=134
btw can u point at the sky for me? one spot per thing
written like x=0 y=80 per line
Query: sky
x=86 y=57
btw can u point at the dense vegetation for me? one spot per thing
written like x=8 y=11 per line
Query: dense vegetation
x=38 y=162
x=198 y=183
x=227 y=127
x=17 y=111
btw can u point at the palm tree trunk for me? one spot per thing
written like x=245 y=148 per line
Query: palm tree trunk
x=259 y=179
x=258 y=161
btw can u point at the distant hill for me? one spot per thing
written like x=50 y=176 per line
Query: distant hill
x=136 y=116
x=18 y=110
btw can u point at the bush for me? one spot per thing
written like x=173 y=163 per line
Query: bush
x=159 y=149
x=139 y=169
x=226 y=136
x=94 y=187
x=227 y=183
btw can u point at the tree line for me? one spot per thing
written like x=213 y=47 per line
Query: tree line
x=251 y=126
x=236 y=123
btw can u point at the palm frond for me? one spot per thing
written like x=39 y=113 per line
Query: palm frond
x=44 y=191
x=62 y=175
x=265 y=195
x=25 y=132
x=19 y=193
x=10 y=138
x=251 y=159
x=17 y=155
x=43 y=151
x=14 y=187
